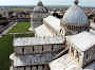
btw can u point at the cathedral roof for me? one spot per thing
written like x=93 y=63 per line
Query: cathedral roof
x=53 y=22
x=32 y=41
x=75 y=16
x=40 y=8
x=43 y=31
x=82 y=41
x=64 y=62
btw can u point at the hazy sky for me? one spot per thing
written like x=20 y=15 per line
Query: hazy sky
x=46 y=2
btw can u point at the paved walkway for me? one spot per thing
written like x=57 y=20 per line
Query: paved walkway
x=9 y=28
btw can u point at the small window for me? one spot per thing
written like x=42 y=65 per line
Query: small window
x=22 y=50
x=87 y=56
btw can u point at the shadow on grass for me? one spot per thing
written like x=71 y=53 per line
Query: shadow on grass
x=5 y=50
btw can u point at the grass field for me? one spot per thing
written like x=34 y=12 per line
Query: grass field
x=6 y=47
x=21 y=27
x=5 y=50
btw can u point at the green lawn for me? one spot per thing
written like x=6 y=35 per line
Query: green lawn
x=6 y=47
x=21 y=27
x=5 y=50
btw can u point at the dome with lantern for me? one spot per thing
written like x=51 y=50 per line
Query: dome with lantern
x=75 y=19
x=40 y=8
x=39 y=12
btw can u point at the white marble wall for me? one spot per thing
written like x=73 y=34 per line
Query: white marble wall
x=37 y=49
x=89 y=56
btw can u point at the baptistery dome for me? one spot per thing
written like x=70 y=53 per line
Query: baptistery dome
x=40 y=8
x=74 y=19
x=39 y=12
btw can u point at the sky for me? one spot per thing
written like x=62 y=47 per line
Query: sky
x=45 y=2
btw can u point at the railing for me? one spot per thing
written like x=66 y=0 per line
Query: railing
x=31 y=67
x=26 y=34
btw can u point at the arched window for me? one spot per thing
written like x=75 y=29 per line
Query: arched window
x=72 y=50
x=77 y=55
x=61 y=31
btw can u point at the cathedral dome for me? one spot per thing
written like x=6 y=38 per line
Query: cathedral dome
x=40 y=8
x=75 y=20
x=75 y=16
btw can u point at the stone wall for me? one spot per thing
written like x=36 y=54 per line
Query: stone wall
x=89 y=56
x=74 y=29
x=75 y=54
x=38 y=49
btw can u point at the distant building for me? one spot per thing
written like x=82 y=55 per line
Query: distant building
x=39 y=12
